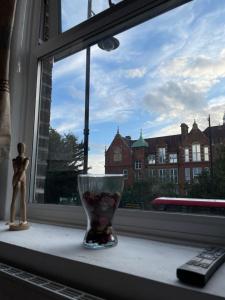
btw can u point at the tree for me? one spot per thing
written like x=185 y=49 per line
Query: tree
x=207 y=186
x=141 y=194
x=65 y=162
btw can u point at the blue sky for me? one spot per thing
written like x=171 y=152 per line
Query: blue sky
x=168 y=70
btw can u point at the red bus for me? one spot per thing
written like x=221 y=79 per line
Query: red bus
x=189 y=204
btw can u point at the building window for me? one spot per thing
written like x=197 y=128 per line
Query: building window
x=173 y=158
x=137 y=175
x=163 y=175
x=117 y=154
x=206 y=153
x=186 y=155
x=173 y=175
x=151 y=159
x=196 y=152
x=125 y=173
x=137 y=165
x=152 y=173
x=187 y=175
x=196 y=172
x=162 y=155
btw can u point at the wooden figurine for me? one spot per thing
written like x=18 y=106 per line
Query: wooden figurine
x=20 y=164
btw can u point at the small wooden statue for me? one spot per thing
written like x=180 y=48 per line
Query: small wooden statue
x=20 y=164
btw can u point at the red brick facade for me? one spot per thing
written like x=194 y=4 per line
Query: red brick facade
x=177 y=157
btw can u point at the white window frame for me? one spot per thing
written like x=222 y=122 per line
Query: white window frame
x=187 y=175
x=196 y=152
x=196 y=171
x=186 y=154
x=173 y=175
x=151 y=159
x=206 y=153
x=173 y=158
x=162 y=155
x=137 y=164
x=160 y=225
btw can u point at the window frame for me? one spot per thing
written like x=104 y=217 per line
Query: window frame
x=161 y=225
x=173 y=158
x=196 y=155
x=186 y=154
x=151 y=159
x=137 y=164
x=162 y=155
x=206 y=153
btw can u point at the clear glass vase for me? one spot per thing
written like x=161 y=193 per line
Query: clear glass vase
x=100 y=196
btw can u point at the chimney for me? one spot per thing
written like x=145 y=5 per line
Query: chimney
x=184 y=129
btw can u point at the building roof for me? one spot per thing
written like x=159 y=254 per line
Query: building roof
x=171 y=141
x=217 y=132
x=140 y=143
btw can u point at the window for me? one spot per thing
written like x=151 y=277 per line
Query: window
x=117 y=155
x=163 y=175
x=137 y=165
x=196 y=172
x=138 y=175
x=187 y=175
x=152 y=173
x=186 y=155
x=173 y=158
x=173 y=175
x=206 y=153
x=125 y=172
x=134 y=75
x=162 y=155
x=196 y=152
x=168 y=175
x=151 y=159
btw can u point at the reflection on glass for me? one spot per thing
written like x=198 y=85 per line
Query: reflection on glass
x=60 y=146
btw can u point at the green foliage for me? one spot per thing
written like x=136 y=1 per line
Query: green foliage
x=65 y=162
x=207 y=186
x=144 y=191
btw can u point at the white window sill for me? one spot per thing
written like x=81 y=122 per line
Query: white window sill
x=135 y=269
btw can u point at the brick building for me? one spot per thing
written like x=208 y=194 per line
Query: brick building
x=177 y=158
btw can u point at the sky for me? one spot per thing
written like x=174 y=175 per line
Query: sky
x=166 y=71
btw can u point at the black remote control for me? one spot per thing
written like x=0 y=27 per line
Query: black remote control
x=198 y=270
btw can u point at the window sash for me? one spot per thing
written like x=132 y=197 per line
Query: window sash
x=151 y=159
x=173 y=158
x=186 y=155
x=206 y=229
x=162 y=155
x=187 y=175
x=137 y=165
x=206 y=153
x=196 y=152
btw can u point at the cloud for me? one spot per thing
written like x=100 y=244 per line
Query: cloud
x=202 y=71
x=173 y=98
x=74 y=64
x=96 y=162
x=136 y=73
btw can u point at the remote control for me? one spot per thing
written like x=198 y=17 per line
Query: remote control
x=198 y=270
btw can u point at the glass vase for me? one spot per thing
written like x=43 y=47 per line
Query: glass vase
x=100 y=196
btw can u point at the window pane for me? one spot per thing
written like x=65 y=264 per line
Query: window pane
x=165 y=72
x=60 y=146
x=75 y=12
